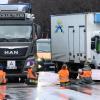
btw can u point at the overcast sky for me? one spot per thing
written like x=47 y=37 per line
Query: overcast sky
x=3 y=1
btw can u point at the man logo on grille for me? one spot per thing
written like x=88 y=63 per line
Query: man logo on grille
x=11 y=52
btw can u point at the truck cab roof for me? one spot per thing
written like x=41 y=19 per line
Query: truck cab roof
x=26 y=7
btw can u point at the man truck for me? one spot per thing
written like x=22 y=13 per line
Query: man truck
x=17 y=38
x=75 y=39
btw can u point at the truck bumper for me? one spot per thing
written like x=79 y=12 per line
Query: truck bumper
x=21 y=75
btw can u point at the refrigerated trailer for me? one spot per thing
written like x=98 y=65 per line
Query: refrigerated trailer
x=75 y=38
x=18 y=33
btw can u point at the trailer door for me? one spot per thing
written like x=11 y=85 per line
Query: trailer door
x=71 y=42
x=82 y=43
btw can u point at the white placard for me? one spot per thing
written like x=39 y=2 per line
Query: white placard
x=11 y=64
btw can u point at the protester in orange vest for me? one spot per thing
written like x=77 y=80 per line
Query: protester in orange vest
x=31 y=74
x=64 y=75
x=2 y=76
x=85 y=74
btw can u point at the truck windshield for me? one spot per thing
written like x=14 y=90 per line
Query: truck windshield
x=15 y=32
x=43 y=47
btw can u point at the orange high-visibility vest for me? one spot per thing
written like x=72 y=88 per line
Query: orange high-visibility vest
x=86 y=73
x=4 y=81
x=2 y=76
x=64 y=75
x=30 y=73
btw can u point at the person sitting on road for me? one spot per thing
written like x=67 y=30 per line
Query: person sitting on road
x=2 y=76
x=85 y=74
x=64 y=75
x=31 y=74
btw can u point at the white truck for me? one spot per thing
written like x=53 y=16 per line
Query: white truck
x=75 y=38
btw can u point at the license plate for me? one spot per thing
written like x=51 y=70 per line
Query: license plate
x=11 y=64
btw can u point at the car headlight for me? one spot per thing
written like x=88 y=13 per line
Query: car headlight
x=39 y=66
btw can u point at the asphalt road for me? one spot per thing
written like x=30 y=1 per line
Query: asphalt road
x=20 y=91
x=48 y=90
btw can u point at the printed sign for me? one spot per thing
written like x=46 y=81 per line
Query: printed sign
x=11 y=64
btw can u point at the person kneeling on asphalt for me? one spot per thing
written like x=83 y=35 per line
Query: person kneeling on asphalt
x=2 y=76
x=85 y=75
x=64 y=76
x=31 y=76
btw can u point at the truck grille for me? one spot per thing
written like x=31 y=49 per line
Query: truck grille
x=16 y=52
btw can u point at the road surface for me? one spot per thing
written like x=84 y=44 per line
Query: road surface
x=49 y=91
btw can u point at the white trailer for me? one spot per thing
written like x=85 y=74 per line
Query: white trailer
x=75 y=38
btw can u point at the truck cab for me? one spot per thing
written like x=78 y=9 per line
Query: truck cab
x=95 y=49
x=44 y=55
x=17 y=38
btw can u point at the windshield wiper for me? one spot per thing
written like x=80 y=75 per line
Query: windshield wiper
x=23 y=40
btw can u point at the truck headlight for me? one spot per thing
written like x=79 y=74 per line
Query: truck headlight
x=39 y=59
x=39 y=66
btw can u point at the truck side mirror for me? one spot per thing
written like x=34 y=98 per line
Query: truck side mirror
x=98 y=44
x=38 y=31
